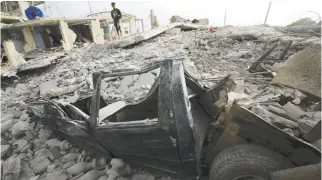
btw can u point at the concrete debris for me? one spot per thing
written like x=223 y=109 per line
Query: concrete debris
x=79 y=167
x=39 y=164
x=93 y=174
x=302 y=71
x=242 y=99
x=227 y=51
x=58 y=175
x=54 y=153
x=142 y=176
x=293 y=111
x=69 y=157
x=11 y=168
x=20 y=128
x=63 y=145
x=289 y=131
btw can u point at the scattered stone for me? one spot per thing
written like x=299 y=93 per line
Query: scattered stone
x=44 y=134
x=293 y=111
x=20 y=128
x=68 y=164
x=241 y=98
x=298 y=94
x=6 y=126
x=54 y=153
x=296 y=101
x=63 y=145
x=279 y=112
x=47 y=86
x=21 y=144
x=39 y=164
x=93 y=174
x=51 y=168
x=288 y=131
x=70 y=157
x=79 y=167
x=142 y=176
x=282 y=122
x=4 y=150
x=57 y=175
x=11 y=168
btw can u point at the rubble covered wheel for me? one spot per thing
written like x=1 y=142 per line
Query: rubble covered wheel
x=246 y=162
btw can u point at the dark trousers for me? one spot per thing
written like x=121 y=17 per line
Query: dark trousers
x=117 y=26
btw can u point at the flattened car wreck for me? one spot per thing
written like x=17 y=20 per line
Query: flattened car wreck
x=175 y=128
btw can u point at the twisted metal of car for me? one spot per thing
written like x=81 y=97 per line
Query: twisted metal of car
x=179 y=127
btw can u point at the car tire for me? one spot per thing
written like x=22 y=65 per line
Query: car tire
x=246 y=161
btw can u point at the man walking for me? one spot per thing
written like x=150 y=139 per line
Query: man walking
x=116 y=15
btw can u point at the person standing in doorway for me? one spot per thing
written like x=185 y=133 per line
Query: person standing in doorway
x=116 y=15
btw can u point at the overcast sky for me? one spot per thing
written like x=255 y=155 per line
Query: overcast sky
x=239 y=12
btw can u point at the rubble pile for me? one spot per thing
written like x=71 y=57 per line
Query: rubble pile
x=29 y=150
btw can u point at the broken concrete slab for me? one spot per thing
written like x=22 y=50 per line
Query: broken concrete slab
x=145 y=35
x=302 y=71
x=38 y=63
x=47 y=86
x=39 y=164
x=293 y=111
x=53 y=153
x=11 y=168
x=280 y=112
x=283 y=122
x=241 y=98
x=174 y=31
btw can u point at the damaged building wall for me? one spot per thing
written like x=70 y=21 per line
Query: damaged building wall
x=16 y=36
x=97 y=32
x=68 y=36
x=14 y=57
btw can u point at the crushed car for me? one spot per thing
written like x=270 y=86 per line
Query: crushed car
x=180 y=127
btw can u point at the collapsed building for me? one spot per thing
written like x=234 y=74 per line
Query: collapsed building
x=263 y=63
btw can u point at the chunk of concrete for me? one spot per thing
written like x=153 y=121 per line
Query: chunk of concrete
x=280 y=112
x=21 y=144
x=20 y=128
x=293 y=110
x=93 y=175
x=142 y=176
x=6 y=126
x=47 y=86
x=11 y=168
x=288 y=131
x=70 y=157
x=302 y=71
x=241 y=98
x=53 y=153
x=79 y=167
x=282 y=122
x=4 y=150
x=57 y=175
x=174 y=31
x=39 y=164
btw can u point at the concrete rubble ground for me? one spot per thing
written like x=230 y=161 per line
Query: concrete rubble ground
x=30 y=151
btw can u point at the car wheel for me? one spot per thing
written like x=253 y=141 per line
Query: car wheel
x=246 y=162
